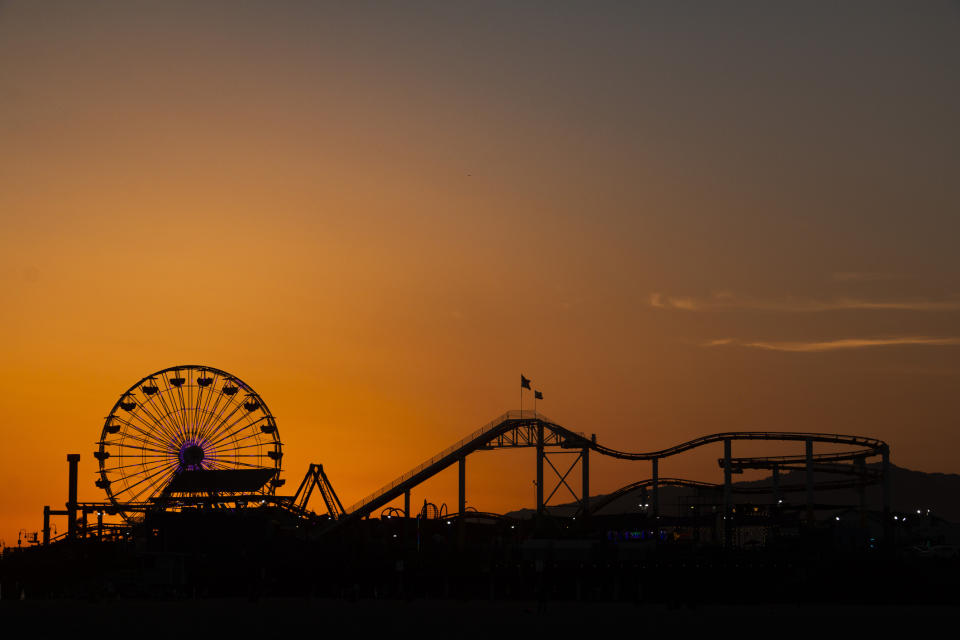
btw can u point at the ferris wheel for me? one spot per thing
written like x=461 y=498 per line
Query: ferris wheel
x=180 y=421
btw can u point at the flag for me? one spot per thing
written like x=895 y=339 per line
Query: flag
x=524 y=382
x=537 y=395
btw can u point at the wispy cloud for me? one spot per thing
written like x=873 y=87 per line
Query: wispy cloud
x=719 y=343
x=835 y=345
x=726 y=301
x=664 y=302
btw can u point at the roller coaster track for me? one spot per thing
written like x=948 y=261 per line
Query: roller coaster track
x=598 y=503
x=873 y=446
x=518 y=429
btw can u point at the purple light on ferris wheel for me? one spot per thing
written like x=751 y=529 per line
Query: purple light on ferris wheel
x=195 y=454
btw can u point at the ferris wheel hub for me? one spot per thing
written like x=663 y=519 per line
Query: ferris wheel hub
x=191 y=455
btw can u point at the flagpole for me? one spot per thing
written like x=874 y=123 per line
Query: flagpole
x=524 y=383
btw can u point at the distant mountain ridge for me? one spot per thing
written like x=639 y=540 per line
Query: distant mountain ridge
x=909 y=491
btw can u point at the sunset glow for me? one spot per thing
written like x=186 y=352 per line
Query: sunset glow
x=676 y=223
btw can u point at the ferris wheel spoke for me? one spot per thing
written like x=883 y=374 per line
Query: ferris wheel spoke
x=142 y=474
x=147 y=406
x=238 y=428
x=162 y=397
x=226 y=412
x=203 y=405
x=152 y=474
x=217 y=384
x=242 y=455
x=247 y=464
x=164 y=418
x=226 y=434
x=188 y=407
x=163 y=411
x=251 y=424
x=149 y=479
x=194 y=402
x=144 y=468
x=219 y=395
x=217 y=413
x=142 y=455
x=225 y=407
x=148 y=465
x=204 y=415
x=175 y=410
x=121 y=443
x=161 y=420
x=244 y=438
x=237 y=454
x=234 y=445
x=224 y=466
x=147 y=426
x=168 y=412
x=172 y=392
x=229 y=435
x=182 y=411
x=147 y=434
x=212 y=414
x=158 y=483
x=221 y=425
x=199 y=407
x=225 y=431
x=151 y=449
x=205 y=409
x=128 y=466
x=148 y=438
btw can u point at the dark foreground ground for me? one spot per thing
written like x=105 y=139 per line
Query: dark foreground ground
x=449 y=619
x=229 y=574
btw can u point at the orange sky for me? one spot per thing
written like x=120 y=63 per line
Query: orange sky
x=675 y=221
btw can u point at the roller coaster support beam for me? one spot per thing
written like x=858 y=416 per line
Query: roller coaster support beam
x=462 y=500
x=777 y=497
x=73 y=459
x=539 y=468
x=809 y=446
x=655 y=475
x=861 y=465
x=316 y=478
x=885 y=462
x=46 y=525
x=585 y=482
x=406 y=504
x=727 y=493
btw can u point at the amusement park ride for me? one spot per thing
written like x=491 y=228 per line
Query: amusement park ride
x=196 y=438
